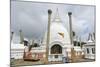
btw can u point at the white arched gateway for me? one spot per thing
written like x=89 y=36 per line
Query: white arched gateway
x=55 y=51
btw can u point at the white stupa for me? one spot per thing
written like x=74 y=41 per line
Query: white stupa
x=17 y=49
x=59 y=45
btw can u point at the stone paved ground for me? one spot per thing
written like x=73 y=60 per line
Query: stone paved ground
x=20 y=62
x=84 y=60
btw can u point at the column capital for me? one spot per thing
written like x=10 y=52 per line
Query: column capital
x=69 y=13
x=49 y=11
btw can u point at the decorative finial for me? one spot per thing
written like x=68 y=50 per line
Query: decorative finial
x=49 y=11
x=12 y=32
x=57 y=17
x=69 y=13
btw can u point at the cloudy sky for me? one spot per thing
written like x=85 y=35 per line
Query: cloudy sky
x=32 y=18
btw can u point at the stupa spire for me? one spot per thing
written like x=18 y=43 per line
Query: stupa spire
x=90 y=37
x=57 y=17
x=57 y=13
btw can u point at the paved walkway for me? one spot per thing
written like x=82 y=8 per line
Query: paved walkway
x=84 y=60
x=21 y=62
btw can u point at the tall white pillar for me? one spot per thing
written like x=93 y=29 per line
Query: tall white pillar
x=48 y=35
x=71 y=37
x=70 y=27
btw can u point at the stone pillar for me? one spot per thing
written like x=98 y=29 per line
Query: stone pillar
x=21 y=37
x=71 y=36
x=32 y=42
x=48 y=35
x=12 y=35
x=70 y=27
x=77 y=40
x=80 y=43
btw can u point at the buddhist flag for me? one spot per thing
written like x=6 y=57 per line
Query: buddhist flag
x=61 y=34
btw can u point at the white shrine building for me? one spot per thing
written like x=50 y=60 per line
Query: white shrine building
x=59 y=45
x=89 y=47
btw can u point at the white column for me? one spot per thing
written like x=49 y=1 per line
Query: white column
x=48 y=34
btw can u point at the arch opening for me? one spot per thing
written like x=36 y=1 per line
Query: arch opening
x=56 y=49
